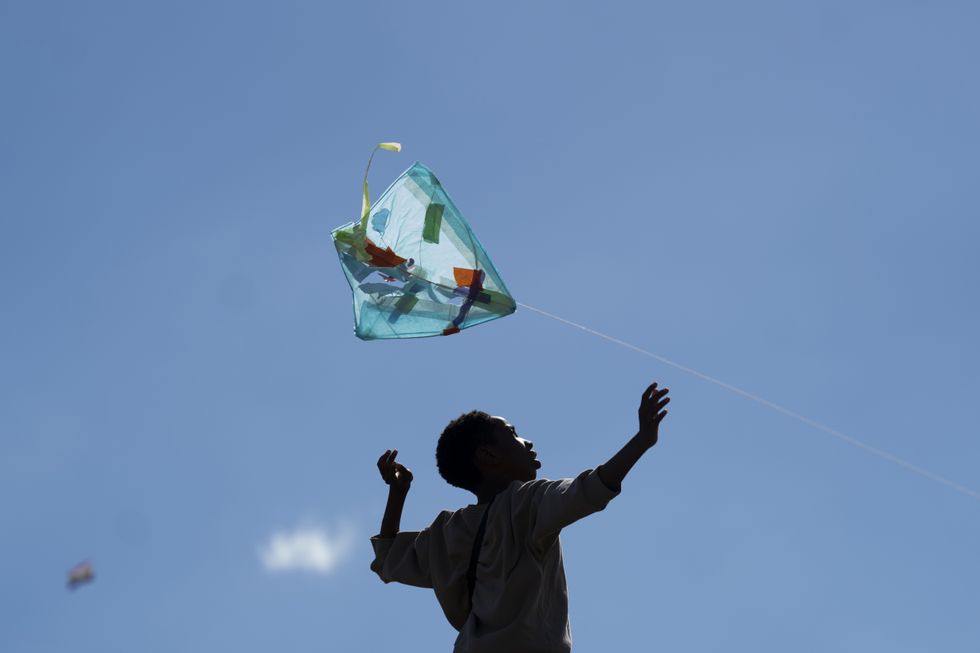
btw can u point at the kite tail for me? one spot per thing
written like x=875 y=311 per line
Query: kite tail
x=366 y=197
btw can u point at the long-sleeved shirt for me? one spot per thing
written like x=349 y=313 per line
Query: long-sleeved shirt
x=520 y=604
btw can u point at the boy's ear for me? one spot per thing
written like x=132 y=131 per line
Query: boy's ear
x=486 y=456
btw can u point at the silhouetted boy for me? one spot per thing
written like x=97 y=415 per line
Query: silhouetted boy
x=496 y=566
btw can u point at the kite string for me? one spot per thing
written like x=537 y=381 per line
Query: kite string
x=875 y=451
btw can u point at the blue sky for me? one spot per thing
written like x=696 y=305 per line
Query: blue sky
x=779 y=194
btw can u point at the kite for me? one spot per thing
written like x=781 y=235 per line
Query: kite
x=415 y=267
x=80 y=574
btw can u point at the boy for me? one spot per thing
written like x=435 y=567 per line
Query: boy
x=496 y=566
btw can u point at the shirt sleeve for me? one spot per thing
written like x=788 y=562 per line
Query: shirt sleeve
x=550 y=506
x=403 y=558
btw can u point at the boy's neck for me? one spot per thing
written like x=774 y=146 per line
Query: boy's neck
x=490 y=488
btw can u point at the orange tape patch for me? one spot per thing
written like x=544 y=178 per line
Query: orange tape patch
x=466 y=277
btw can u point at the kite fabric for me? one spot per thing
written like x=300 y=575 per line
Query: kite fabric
x=415 y=267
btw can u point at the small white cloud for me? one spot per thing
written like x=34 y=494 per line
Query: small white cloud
x=308 y=548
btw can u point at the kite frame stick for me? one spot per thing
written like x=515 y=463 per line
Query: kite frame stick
x=854 y=442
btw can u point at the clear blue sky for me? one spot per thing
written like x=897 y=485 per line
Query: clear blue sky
x=780 y=194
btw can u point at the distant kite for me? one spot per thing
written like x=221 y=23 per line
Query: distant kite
x=80 y=574
x=414 y=265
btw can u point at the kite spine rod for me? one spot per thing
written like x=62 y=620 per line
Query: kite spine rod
x=875 y=451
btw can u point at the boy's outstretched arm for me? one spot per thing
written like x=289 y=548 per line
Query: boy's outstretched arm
x=399 y=480
x=651 y=413
x=553 y=505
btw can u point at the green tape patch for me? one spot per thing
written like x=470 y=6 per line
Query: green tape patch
x=433 y=222
x=406 y=303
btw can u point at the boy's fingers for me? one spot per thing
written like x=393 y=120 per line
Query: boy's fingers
x=657 y=399
x=651 y=406
x=648 y=391
x=652 y=393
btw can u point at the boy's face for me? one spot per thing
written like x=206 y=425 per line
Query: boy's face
x=515 y=457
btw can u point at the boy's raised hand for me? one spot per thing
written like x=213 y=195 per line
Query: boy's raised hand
x=652 y=413
x=397 y=476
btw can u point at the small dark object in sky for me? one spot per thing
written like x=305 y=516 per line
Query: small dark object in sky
x=80 y=574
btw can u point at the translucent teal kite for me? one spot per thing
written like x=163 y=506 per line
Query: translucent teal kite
x=415 y=267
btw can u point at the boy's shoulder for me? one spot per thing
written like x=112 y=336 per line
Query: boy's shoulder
x=516 y=491
x=511 y=498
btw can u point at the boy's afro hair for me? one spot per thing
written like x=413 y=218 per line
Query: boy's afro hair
x=457 y=447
